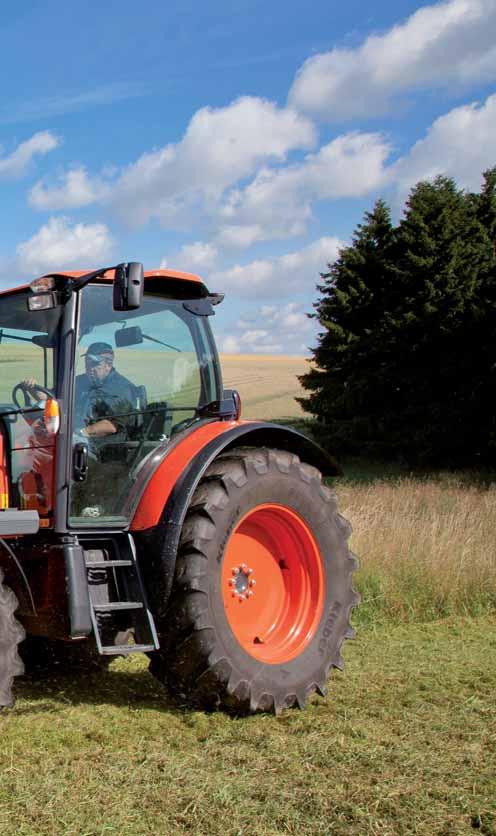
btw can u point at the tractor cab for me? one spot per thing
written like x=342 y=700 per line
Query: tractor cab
x=93 y=384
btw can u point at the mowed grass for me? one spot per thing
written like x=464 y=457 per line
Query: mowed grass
x=404 y=744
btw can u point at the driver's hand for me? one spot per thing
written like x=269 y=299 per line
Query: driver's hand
x=31 y=385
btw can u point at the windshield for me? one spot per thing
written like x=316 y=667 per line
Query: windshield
x=27 y=346
x=141 y=377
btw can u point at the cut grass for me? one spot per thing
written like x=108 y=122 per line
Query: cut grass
x=404 y=744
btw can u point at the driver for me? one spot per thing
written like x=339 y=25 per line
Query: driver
x=104 y=398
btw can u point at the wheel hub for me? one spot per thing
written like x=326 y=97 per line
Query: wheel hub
x=242 y=582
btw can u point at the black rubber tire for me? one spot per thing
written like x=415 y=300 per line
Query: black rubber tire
x=200 y=660
x=11 y=634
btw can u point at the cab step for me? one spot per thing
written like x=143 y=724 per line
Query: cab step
x=117 y=596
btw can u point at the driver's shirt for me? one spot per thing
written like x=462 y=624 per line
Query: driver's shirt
x=112 y=398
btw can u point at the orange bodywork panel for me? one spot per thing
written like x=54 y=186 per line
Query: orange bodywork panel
x=162 y=482
x=109 y=277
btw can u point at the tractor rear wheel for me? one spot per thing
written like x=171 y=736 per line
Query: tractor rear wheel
x=11 y=633
x=262 y=593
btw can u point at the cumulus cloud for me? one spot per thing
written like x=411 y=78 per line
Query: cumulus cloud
x=191 y=257
x=459 y=144
x=296 y=271
x=278 y=202
x=252 y=341
x=451 y=43
x=16 y=163
x=272 y=330
x=76 y=189
x=59 y=244
x=220 y=147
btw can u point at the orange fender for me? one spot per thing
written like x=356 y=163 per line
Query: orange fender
x=170 y=469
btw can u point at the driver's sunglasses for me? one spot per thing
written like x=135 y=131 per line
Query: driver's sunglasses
x=92 y=364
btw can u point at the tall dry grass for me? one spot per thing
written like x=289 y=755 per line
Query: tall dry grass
x=427 y=547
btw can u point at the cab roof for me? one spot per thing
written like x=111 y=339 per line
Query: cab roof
x=109 y=276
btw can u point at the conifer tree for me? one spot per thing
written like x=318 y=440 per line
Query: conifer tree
x=351 y=312
x=405 y=362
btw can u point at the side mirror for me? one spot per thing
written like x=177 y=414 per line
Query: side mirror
x=128 y=286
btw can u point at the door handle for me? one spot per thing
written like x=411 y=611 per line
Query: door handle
x=80 y=462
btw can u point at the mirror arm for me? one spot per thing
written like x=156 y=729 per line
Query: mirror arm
x=82 y=281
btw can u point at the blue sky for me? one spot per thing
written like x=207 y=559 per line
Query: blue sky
x=239 y=140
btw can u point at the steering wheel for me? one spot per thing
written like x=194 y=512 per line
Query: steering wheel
x=21 y=387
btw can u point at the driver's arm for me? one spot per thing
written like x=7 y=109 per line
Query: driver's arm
x=31 y=385
x=99 y=428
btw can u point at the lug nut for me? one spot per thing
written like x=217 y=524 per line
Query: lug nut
x=250 y=593
x=253 y=582
x=249 y=571
x=232 y=582
x=235 y=571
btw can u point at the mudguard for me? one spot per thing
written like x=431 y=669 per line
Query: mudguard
x=160 y=515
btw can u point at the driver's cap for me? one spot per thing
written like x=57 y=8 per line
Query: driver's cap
x=97 y=351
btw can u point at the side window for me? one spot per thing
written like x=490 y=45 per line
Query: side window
x=23 y=356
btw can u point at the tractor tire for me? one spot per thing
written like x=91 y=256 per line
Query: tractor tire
x=11 y=633
x=262 y=593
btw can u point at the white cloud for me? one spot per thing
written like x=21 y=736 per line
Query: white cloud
x=220 y=147
x=58 y=244
x=240 y=236
x=280 y=200
x=76 y=189
x=272 y=330
x=191 y=257
x=459 y=144
x=297 y=271
x=16 y=163
x=450 y=43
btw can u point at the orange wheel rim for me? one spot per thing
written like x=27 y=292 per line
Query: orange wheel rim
x=273 y=583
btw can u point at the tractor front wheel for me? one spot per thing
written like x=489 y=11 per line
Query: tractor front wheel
x=11 y=633
x=262 y=594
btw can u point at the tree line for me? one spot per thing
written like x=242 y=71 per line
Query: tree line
x=405 y=363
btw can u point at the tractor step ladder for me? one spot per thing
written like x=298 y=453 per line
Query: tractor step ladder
x=115 y=589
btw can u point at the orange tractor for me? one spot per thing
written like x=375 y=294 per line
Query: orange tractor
x=140 y=514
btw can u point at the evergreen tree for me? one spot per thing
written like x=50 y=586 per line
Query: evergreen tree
x=348 y=363
x=405 y=361
x=441 y=253
x=482 y=333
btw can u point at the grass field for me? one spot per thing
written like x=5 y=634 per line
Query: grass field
x=405 y=743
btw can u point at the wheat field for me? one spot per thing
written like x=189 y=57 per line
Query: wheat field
x=267 y=384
